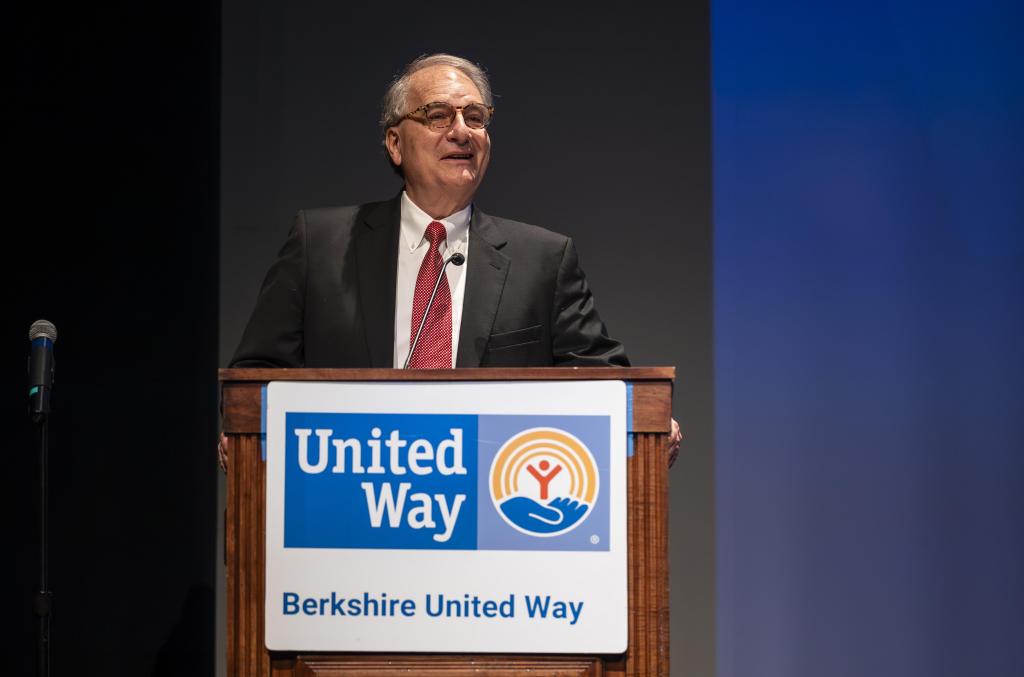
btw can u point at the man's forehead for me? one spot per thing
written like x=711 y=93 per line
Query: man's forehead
x=439 y=83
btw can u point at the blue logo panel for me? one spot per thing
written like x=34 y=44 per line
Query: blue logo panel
x=455 y=482
x=544 y=483
x=394 y=481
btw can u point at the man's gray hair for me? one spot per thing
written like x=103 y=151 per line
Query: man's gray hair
x=393 y=107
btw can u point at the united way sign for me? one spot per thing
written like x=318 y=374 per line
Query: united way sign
x=446 y=517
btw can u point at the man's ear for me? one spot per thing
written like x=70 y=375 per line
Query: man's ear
x=393 y=143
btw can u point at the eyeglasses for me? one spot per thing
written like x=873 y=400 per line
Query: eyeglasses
x=441 y=115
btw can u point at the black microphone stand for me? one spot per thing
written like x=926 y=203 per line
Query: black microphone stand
x=44 y=597
x=42 y=334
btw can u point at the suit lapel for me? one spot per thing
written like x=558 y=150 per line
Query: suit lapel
x=486 y=270
x=377 y=262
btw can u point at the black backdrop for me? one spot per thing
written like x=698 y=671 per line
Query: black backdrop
x=112 y=235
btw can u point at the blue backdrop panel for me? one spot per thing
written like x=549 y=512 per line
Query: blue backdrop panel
x=869 y=337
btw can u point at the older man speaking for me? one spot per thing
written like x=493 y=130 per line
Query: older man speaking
x=351 y=286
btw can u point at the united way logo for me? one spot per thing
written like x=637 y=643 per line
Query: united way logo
x=544 y=482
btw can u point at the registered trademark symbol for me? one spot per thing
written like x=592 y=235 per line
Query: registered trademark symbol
x=595 y=539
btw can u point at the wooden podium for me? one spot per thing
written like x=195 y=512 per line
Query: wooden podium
x=647 y=560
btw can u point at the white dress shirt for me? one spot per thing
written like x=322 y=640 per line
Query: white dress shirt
x=412 y=247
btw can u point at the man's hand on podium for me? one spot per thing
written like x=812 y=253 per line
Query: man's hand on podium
x=222 y=452
x=674 y=438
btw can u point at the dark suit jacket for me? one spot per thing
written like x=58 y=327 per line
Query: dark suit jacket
x=329 y=299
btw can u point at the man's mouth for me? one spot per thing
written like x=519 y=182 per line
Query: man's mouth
x=458 y=156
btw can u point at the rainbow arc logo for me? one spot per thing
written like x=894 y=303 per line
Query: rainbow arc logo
x=544 y=482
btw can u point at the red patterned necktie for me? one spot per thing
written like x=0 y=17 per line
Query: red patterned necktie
x=434 y=350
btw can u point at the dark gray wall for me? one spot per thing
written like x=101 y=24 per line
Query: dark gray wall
x=602 y=132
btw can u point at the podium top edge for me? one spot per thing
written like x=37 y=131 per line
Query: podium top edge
x=475 y=374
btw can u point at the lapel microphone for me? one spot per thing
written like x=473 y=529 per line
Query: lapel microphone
x=457 y=259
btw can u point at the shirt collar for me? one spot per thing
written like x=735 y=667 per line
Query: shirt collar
x=415 y=222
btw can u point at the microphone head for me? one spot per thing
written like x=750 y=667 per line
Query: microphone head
x=42 y=329
x=458 y=258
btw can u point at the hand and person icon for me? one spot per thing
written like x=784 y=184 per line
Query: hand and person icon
x=540 y=518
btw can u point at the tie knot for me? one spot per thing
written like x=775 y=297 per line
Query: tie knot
x=436 y=233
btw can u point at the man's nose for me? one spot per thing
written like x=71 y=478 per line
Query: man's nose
x=458 y=131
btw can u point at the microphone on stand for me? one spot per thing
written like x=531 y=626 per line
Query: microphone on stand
x=456 y=259
x=43 y=335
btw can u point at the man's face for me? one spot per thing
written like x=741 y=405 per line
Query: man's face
x=440 y=166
